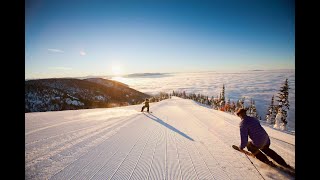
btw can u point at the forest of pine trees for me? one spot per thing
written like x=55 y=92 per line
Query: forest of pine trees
x=281 y=109
x=252 y=111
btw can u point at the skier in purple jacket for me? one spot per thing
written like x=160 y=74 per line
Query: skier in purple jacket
x=260 y=144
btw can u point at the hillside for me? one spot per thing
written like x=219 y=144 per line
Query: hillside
x=180 y=139
x=69 y=94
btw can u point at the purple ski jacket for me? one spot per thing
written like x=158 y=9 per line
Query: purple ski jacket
x=250 y=126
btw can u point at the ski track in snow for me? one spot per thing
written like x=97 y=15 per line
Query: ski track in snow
x=179 y=140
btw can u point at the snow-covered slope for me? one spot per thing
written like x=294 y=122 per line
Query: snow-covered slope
x=179 y=140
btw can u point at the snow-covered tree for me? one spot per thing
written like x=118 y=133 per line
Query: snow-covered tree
x=252 y=110
x=215 y=103
x=272 y=111
x=283 y=100
x=278 y=119
x=233 y=107
x=222 y=99
x=222 y=94
x=240 y=103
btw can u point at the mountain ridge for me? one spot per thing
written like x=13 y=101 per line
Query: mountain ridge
x=56 y=94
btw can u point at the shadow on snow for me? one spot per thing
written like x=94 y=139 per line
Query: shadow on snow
x=168 y=126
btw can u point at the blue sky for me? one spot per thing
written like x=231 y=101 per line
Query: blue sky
x=80 y=38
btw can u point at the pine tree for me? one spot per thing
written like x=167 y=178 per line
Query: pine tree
x=184 y=95
x=233 y=107
x=222 y=100
x=272 y=111
x=283 y=99
x=240 y=103
x=222 y=94
x=208 y=101
x=228 y=106
x=252 y=109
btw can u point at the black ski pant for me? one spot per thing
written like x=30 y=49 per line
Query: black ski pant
x=145 y=107
x=269 y=152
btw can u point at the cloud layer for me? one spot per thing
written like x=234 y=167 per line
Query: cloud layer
x=60 y=68
x=258 y=85
x=55 y=50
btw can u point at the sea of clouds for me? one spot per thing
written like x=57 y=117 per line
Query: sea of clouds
x=258 y=85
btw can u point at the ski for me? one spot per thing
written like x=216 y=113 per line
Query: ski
x=290 y=170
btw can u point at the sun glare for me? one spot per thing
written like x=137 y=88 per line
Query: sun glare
x=116 y=70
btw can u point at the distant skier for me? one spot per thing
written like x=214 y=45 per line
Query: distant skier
x=250 y=126
x=146 y=105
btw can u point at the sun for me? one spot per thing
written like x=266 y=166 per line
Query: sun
x=116 y=70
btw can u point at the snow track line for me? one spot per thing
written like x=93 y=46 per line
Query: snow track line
x=85 y=154
x=205 y=163
x=128 y=165
x=55 y=145
x=115 y=152
x=188 y=154
x=95 y=148
x=128 y=153
x=61 y=146
x=54 y=125
x=124 y=140
x=56 y=149
x=183 y=144
x=100 y=154
x=193 y=166
x=145 y=162
x=63 y=123
x=112 y=164
x=174 y=137
x=213 y=157
x=157 y=170
x=70 y=132
x=140 y=156
x=133 y=158
x=166 y=154
x=154 y=150
x=197 y=150
x=173 y=169
x=215 y=135
x=171 y=172
x=187 y=157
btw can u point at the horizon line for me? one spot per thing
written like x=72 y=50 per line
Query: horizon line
x=111 y=76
